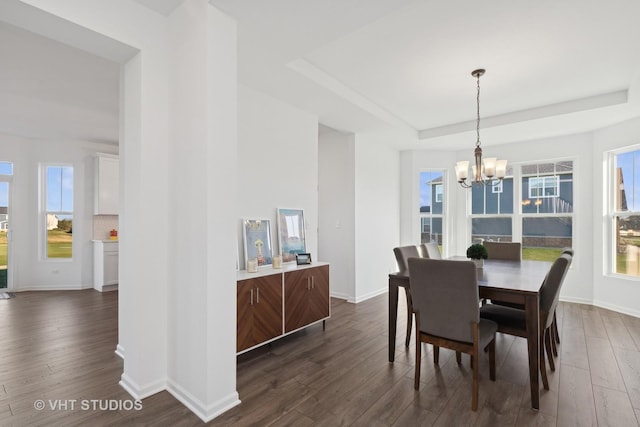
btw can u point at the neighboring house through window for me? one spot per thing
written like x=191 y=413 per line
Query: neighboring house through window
x=543 y=221
x=432 y=197
x=547 y=208
x=492 y=210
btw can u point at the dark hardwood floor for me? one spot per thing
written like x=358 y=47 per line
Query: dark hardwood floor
x=59 y=346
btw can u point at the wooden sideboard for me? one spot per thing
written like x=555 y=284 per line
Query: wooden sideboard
x=273 y=303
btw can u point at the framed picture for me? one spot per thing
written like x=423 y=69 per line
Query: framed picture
x=291 y=233
x=257 y=241
x=302 y=259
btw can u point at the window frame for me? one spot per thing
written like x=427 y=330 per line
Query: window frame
x=439 y=189
x=497 y=188
x=518 y=216
x=443 y=199
x=44 y=212
x=511 y=175
x=612 y=213
x=544 y=179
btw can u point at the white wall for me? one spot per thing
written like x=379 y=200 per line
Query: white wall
x=377 y=208
x=336 y=210
x=278 y=165
x=29 y=269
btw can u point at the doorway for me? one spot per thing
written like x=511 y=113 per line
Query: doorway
x=5 y=233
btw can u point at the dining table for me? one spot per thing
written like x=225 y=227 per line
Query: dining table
x=505 y=280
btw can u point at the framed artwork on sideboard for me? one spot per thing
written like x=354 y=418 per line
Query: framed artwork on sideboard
x=257 y=242
x=291 y=238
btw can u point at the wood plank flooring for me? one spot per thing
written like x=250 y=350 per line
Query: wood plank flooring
x=60 y=346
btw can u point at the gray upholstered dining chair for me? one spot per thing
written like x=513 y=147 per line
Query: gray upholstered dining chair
x=504 y=250
x=403 y=253
x=445 y=303
x=554 y=329
x=430 y=250
x=507 y=251
x=512 y=321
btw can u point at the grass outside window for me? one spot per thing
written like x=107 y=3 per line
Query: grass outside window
x=59 y=244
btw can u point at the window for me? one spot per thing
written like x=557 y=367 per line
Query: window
x=58 y=213
x=438 y=193
x=6 y=168
x=544 y=220
x=625 y=212
x=492 y=210
x=547 y=209
x=546 y=186
x=6 y=172
x=431 y=206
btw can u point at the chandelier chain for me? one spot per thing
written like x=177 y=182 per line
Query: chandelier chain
x=488 y=171
x=478 y=112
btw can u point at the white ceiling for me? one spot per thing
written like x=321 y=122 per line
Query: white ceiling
x=396 y=66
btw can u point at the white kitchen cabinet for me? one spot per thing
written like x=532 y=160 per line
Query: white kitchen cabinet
x=105 y=265
x=107 y=172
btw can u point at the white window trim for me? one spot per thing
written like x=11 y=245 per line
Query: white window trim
x=446 y=192
x=43 y=212
x=518 y=215
x=611 y=213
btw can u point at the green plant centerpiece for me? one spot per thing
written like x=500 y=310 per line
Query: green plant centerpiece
x=478 y=253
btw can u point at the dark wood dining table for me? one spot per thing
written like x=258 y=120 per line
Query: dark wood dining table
x=510 y=281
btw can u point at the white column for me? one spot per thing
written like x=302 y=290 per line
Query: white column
x=203 y=219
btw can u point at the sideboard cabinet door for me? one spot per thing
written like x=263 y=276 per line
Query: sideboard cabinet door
x=259 y=310
x=306 y=295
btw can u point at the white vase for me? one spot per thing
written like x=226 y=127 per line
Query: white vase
x=478 y=262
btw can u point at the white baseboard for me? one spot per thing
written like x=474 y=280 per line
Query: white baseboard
x=205 y=412
x=617 y=308
x=138 y=392
x=352 y=300
x=603 y=304
x=120 y=351
x=52 y=288
x=340 y=295
x=369 y=295
x=577 y=300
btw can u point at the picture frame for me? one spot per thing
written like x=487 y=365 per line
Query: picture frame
x=303 y=259
x=291 y=233
x=257 y=241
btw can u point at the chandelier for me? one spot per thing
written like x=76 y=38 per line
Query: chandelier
x=489 y=171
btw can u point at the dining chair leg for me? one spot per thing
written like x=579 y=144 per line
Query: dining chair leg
x=458 y=357
x=436 y=354
x=547 y=343
x=553 y=342
x=416 y=379
x=543 y=367
x=409 y=316
x=555 y=327
x=475 y=386
x=492 y=360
